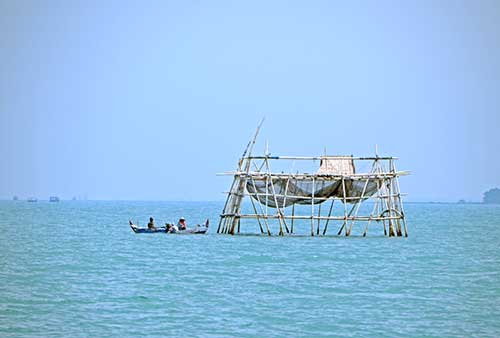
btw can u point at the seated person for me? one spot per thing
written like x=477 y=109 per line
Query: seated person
x=182 y=224
x=171 y=228
x=151 y=224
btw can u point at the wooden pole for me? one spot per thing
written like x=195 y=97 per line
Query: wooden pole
x=358 y=204
x=284 y=201
x=319 y=219
x=261 y=175
x=345 y=204
x=403 y=216
x=375 y=206
x=376 y=163
x=319 y=158
x=267 y=194
x=242 y=183
x=260 y=206
x=268 y=171
x=392 y=205
x=388 y=204
x=328 y=220
x=312 y=207
x=396 y=199
x=345 y=220
x=391 y=228
x=223 y=211
x=280 y=213
x=229 y=196
x=256 y=212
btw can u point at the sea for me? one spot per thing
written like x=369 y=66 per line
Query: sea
x=75 y=269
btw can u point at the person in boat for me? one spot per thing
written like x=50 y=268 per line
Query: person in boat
x=171 y=228
x=151 y=224
x=174 y=229
x=182 y=224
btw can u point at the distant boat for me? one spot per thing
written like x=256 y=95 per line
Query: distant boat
x=54 y=199
x=32 y=199
x=15 y=198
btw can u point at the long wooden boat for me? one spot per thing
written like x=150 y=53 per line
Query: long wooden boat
x=198 y=230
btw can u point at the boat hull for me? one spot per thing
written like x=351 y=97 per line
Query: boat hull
x=192 y=231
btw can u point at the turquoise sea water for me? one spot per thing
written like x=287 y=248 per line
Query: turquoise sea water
x=74 y=269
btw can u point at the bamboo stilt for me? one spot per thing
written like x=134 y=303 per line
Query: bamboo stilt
x=284 y=202
x=312 y=207
x=319 y=220
x=375 y=207
x=280 y=214
x=256 y=212
x=345 y=220
x=391 y=200
x=260 y=207
x=403 y=217
x=328 y=220
x=236 y=205
x=380 y=186
x=344 y=195
x=358 y=205
x=361 y=199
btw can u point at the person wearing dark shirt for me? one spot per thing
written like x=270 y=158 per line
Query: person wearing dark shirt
x=151 y=224
x=182 y=224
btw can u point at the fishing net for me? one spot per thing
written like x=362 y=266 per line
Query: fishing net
x=283 y=192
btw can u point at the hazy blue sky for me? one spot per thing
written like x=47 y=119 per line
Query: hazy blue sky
x=149 y=99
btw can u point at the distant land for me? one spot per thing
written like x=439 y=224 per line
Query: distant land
x=492 y=196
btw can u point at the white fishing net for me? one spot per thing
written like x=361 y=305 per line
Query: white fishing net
x=288 y=190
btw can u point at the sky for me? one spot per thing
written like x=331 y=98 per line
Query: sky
x=148 y=100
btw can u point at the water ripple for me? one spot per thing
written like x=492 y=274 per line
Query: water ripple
x=75 y=269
